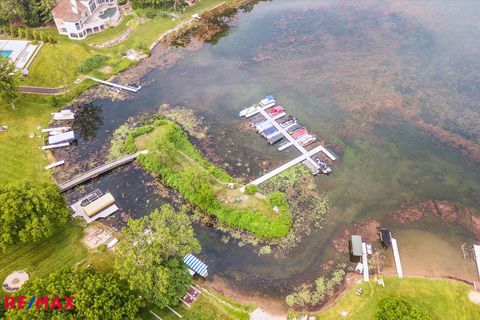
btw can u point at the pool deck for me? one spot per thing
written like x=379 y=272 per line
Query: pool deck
x=22 y=52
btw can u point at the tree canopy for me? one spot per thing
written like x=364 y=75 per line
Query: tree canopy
x=150 y=257
x=29 y=213
x=96 y=296
x=32 y=12
x=396 y=308
x=8 y=81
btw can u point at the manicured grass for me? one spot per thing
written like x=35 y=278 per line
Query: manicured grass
x=205 y=308
x=63 y=249
x=442 y=299
x=110 y=33
x=56 y=64
x=22 y=158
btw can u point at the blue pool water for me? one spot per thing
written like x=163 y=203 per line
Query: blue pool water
x=5 y=53
x=110 y=12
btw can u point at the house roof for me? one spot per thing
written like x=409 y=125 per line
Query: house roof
x=63 y=10
x=357 y=245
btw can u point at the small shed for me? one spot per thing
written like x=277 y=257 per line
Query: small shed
x=385 y=237
x=356 y=244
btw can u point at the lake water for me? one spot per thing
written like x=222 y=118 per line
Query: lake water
x=359 y=76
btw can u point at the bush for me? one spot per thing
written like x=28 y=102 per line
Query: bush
x=392 y=308
x=92 y=63
x=122 y=2
x=150 y=13
x=102 y=248
x=251 y=189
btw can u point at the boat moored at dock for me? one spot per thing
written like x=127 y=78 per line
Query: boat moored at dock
x=268 y=101
x=306 y=140
x=248 y=110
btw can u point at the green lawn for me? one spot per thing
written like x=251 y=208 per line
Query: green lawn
x=110 y=33
x=22 y=158
x=442 y=299
x=40 y=259
x=205 y=308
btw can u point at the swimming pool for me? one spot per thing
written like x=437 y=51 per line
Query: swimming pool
x=110 y=12
x=5 y=53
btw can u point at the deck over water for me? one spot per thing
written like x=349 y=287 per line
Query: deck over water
x=98 y=171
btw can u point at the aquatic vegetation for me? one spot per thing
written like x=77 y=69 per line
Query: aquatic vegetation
x=308 y=295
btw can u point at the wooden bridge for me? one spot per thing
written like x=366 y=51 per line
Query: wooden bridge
x=98 y=171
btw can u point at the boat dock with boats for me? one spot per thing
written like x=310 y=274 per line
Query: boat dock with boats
x=275 y=126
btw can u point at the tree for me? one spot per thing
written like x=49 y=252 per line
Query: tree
x=96 y=296
x=396 y=308
x=8 y=82
x=150 y=257
x=29 y=213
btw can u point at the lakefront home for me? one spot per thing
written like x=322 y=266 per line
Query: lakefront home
x=80 y=18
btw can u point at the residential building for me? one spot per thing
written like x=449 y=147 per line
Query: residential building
x=80 y=18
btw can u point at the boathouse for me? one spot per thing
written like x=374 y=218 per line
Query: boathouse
x=385 y=237
x=356 y=245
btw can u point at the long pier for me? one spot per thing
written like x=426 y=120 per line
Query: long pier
x=396 y=256
x=98 y=171
x=284 y=167
x=366 y=274
x=111 y=84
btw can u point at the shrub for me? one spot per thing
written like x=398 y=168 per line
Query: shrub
x=92 y=63
x=102 y=248
x=392 y=308
x=251 y=189
x=150 y=13
x=122 y=2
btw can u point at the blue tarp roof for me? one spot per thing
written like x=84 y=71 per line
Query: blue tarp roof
x=269 y=97
x=196 y=265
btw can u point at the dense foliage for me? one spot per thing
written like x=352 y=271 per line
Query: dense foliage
x=94 y=62
x=396 y=308
x=26 y=33
x=195 y=185
x=150 y=257
x=29 y=213
x=164 y=4
x=8 y=82
x=32 y=12
x=96 y=296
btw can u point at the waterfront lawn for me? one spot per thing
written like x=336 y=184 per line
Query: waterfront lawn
x=22 y=158
x=441 y=299
x=56 y=64
x=110 y=33
x=182 y=167
x=205 y=308
x=39 y=259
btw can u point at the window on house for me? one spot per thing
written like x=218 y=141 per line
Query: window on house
x=73 y=35
x=77 y=25
x=100 y=1
x=64 y=30
x=92 y=5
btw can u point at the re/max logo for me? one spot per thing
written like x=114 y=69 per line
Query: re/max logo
x=21 y=302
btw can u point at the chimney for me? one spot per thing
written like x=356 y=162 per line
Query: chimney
x=74 y=6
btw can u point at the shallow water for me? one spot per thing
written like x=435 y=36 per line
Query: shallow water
x=358 y=76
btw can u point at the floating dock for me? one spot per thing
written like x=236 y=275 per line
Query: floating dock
x=111 y=84
x=98 y=171
x=396 y=256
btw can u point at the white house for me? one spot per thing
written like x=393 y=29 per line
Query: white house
x=79 y=18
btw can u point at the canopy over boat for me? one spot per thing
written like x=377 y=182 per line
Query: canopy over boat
x=196 y=265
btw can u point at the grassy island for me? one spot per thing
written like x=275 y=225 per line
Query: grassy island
x=179 y=165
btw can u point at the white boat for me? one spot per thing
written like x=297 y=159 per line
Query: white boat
x=248 y=110
x=306 y=140
x=268 y=101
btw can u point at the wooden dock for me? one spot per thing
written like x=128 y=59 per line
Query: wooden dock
x=396 y=256
x=98 y=171
x=111 y=84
